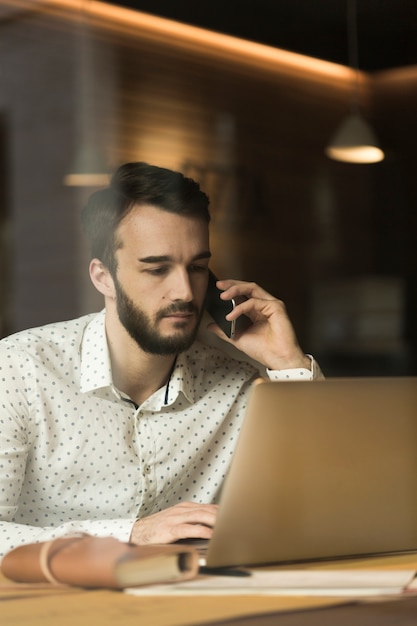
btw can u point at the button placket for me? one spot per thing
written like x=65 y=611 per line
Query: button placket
x=146 y=458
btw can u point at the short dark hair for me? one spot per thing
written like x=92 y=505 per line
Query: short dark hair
x=134 y=184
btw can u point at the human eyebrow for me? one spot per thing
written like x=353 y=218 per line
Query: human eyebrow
x=156 y=259
x=206 y=254
x=203 y=255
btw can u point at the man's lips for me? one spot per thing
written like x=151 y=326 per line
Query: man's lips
x=179 y=315
x=183 y=314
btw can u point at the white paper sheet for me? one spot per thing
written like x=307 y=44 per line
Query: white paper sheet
x=291 y=582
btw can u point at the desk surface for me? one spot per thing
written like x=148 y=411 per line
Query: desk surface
x=31 y=605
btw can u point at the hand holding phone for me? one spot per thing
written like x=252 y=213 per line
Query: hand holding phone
x=218 y=309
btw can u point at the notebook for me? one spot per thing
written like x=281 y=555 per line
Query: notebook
x=322 y=469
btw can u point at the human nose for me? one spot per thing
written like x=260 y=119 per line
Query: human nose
x=181 y=288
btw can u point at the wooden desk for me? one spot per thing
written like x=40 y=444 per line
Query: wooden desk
x=53 y=606
x=108 y=608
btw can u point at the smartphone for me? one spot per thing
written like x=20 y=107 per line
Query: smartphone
x=218 y=309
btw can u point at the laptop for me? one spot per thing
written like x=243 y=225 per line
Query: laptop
x=322 y=470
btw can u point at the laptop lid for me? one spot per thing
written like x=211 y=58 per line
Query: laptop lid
x=322 y=469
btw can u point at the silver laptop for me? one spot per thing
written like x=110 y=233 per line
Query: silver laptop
x=322 y=469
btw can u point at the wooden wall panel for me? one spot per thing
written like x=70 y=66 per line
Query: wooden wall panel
x=252 y=133
x=255 y=140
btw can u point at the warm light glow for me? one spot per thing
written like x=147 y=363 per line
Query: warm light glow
x=356 y=154
x=354 y=142
x=86 y=180
x=199 y=40
x=225 y=48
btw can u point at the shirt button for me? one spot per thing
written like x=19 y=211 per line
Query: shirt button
x=147 y=470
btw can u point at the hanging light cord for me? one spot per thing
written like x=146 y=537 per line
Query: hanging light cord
x=352 y=32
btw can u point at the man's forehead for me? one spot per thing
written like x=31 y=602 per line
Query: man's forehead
x=156 y=233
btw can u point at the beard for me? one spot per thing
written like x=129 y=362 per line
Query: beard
x=144 y=330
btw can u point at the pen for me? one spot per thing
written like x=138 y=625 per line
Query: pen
x=223 y=571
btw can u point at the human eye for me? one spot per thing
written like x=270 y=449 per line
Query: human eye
x=198 y=268
x=157 y=271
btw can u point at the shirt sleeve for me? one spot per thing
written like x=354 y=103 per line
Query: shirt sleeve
x=298 y=373
x=13 y=535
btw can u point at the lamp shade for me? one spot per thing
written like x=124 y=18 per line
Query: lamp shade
x=355 y=142
x=88 y=169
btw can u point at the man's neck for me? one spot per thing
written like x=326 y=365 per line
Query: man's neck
x=136 y=373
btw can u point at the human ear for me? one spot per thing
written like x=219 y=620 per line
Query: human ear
x=101 y=278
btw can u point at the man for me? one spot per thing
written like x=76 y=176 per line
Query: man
x=122 y=423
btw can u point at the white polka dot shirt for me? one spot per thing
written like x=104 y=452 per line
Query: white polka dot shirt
x=76 y=456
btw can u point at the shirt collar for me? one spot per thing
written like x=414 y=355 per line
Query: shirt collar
x=95 y=359
x=181 y=381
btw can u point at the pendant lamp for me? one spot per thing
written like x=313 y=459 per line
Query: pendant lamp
x=354 y=141
x=88 y=168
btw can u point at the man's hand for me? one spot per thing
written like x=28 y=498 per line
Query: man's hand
x=182 y=521
x=271 y=339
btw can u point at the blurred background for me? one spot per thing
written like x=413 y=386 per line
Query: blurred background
x=244 y=97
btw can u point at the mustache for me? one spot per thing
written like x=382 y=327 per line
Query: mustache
x=178 y=307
